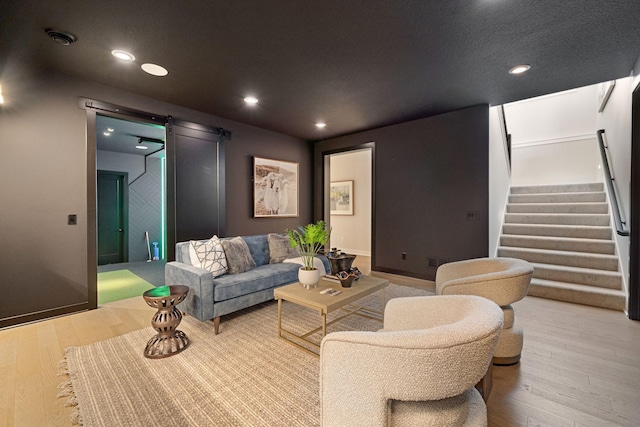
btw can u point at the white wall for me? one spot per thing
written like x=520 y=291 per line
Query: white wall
x=616 y=121
x=352 y=233
x=499 y=179
x=561 y=162
x=551 y=117
x=553 y=138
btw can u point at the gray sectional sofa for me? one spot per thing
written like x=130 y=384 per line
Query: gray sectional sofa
x=210 y=298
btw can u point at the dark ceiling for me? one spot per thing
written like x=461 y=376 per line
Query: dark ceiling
x=356 y=64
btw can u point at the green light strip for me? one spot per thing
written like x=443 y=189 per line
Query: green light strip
x=163 y=206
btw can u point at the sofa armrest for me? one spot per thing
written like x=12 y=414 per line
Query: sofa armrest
x=199 y=301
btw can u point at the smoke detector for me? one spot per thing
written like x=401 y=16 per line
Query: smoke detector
x=61 y=37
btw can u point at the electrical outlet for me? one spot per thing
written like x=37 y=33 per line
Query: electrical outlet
x=473 y=216
x=72 y=219
x=404 y=255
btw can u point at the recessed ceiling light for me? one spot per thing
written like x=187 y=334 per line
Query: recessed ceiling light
x=121 y=54
x=107 y=133
x=154 y=69
x=321 y=125
x=1 y=97
x=109 y=129
x=519 y=69
x=142 y=147
x=251 y=100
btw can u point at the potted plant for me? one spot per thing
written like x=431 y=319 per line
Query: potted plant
x=309 y=240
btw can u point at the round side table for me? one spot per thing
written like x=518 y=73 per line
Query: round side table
x=168 y=341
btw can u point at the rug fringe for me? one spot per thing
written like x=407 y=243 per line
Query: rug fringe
x=66 y=390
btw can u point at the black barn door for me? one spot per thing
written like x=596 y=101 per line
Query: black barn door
x=195 y=184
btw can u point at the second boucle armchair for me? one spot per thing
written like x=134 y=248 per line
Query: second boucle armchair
x=503 y=281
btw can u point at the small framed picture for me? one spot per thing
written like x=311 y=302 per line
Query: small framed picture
x=275 y=188
x=341 y=198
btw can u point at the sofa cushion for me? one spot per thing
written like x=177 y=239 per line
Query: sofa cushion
x=208 y=255
x=259 y=248
x=262 y=277
x=239 y=258
x=280 y=248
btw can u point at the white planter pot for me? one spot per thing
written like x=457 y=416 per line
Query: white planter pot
x=309 y=278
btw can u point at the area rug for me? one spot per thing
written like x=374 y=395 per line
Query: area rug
x=245 y=376
x=120 y=284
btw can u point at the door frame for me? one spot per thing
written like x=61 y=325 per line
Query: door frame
x=324 y=172
x=125 y=210
x=92 y=109
x=633 y=307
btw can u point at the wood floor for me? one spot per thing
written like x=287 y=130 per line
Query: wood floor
x=580 y=365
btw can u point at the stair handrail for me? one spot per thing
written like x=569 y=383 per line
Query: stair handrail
x=609 y=178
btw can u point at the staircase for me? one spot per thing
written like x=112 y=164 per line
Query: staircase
x=565 y=232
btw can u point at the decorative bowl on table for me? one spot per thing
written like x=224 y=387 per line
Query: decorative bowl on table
x=346 y=279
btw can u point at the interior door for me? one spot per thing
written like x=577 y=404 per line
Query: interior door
x=112 y=217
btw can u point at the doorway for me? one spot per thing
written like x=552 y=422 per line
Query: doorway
x=349 y=211
x=131 y=211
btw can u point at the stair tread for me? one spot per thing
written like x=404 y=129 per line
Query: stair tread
x=576 y=287
x=558 y=188
x=558 y=239
x=559 y=203
x=558 y=193
x=564 y=253
x=558 y=226
x=556 y=214
x=575 y=269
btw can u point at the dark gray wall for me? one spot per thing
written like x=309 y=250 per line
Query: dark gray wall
x=43 y=261
x=636 y=67
x=429 y=174
x=248 y=142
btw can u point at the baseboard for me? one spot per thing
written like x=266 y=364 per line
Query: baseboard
x=427 y=285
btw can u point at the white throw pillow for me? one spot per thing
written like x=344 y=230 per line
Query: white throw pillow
x=208 y=255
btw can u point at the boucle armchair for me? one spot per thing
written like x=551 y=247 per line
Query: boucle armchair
x=419 y=370
x=503 y=281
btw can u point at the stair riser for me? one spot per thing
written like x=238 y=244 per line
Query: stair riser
x=541 y=230
x=568 y=188
x=597 y=247
x=604 y=301
x=559 y=208
x=595 y=220
x=559 y=198
x=601 y=263
x=601 y=280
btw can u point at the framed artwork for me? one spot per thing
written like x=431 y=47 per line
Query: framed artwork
x=275 y=188
x=341 y=198
x=604 y=92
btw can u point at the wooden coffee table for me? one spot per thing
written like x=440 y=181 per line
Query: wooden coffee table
x=325 y=304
